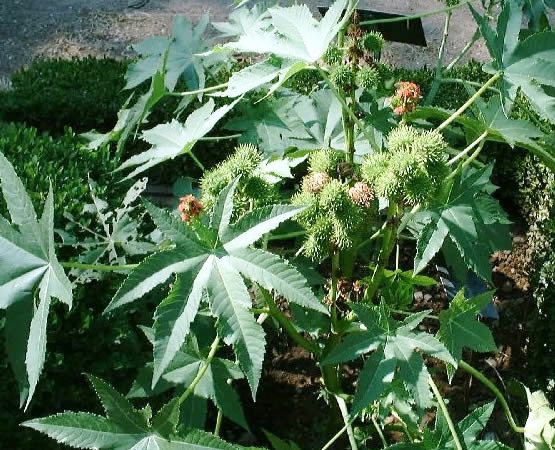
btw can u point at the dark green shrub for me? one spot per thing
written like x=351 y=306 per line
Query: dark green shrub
x=53 y=94
x=64 y=161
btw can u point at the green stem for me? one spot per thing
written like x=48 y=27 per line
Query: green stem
x=350 y=112
x=198 y=91
x=408 y=313
x=333 y=289
x=287 y=325
x=345 y=414
x=469 y=148
x=202 y=370
x=470 y=83
x=379 y=430
x=97 y=267
x=388 y=243
x=416 y=16
x=336 y=436
x=446 y=415
x=196 y=160
x=219 y=138
x=218 y=426
x=493 y=388
x=470 y=101
x=439 y=65
x=474 y=155
x=293 y=234
x=475 y=37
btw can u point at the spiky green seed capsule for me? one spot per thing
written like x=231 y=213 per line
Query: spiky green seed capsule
x=325 y=161
x=251 y=189
x=373 y=41
x=412 y=168
x=334 y=197
x=333 y=56
x=367 y=78
x=343 y=78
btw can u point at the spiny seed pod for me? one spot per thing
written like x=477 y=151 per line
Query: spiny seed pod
x=343 y=78
x=417 y=188
x=367 y=78
x=430 y=145
x=401 y=138
x=320 y=235
x=333 y=56
x=342 y=238
x=373 y=41
x=310 y=201
x=314 y=182
x=325 y=161
x=245 y=159
x=334 y=197
x=361 y=194
x=374 y=166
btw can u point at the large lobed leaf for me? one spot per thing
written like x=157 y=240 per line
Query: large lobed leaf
x=169 y=140
x=124 y=427
x=396 y=357
x=215 y=268
x=29 y=269
x=470 y=220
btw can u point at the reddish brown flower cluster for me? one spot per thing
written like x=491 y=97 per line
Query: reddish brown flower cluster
x=189 y=207
x=406 y=97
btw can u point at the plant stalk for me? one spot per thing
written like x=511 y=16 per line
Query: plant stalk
x=470 y=101
x=417 y=16
x=446 y=415
x=378 y=430
x=287 y=325
x=97 y=267
x=468 y=148
x=345 y=414
x=218 y=426
x=388 y=243
x=202 y=371
x=350 y=112
x=493 y=388
x=439 y=65
x=198 y=91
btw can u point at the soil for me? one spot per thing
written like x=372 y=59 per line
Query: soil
x=32 y=29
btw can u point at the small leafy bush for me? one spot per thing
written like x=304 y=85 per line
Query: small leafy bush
x=50 y=95
x=63 y=161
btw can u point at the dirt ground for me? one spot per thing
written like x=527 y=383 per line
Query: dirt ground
x=66 y=28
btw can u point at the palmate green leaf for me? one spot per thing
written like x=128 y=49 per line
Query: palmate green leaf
x=213 y=385
x=259 y=74
x=28 y=266
x=242 y=20
x=539 y=432
x=173 y=317
x=377 y=373
x=459 y=328
x=470 y=219
x=124 y=427
x=215 y=268
x=273 y=273
x=527 y=65
x=183 y=47
x=172 y=139
x=398 y=345
x=230 y=301
x=294 y=33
